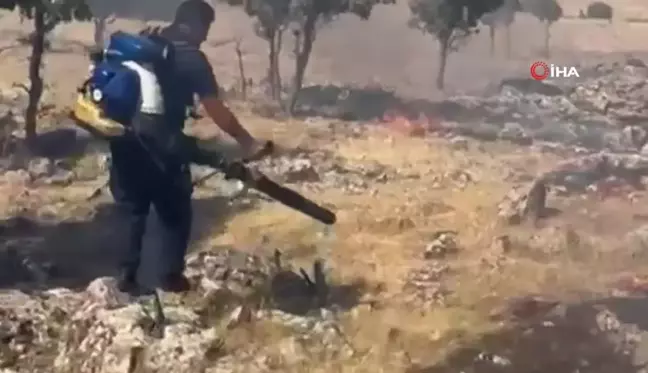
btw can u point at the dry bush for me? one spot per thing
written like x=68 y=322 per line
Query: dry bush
x=599 y=10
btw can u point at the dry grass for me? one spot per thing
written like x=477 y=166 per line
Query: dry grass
x=380 y=237
x=372 y=243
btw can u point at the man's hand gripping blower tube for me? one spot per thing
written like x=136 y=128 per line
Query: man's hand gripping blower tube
x=255 y=179
x=107 y=101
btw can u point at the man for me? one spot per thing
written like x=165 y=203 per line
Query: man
x=146 y=172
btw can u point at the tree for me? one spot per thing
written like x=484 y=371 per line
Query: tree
x=451 y=22
x=45 y=15
x=302 y=18
x=547 y=12
x=271 y=20
x=599 y=10
x=106 y=12
x=101 y=21
x=308 y=13
x=502 y=16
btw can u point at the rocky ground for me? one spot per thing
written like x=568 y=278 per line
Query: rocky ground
x=503 y=232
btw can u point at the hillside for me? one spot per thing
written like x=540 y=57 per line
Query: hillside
x=499 y=230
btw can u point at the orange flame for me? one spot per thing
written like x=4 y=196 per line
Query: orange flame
x=400 y=123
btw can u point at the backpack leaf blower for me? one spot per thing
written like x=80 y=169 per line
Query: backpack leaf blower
x=115 y=91
x=257 y=180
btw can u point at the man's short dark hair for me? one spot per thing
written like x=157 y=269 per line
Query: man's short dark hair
x=191 y=12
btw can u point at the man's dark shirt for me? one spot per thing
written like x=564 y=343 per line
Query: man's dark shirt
x=193 y=73
x=158 y=144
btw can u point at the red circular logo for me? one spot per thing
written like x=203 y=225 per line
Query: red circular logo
x=539 y=70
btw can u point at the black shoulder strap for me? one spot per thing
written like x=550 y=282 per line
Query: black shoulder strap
x=151 y=30
x=166 y=71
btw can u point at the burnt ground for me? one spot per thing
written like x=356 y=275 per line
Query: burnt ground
x=563 y=296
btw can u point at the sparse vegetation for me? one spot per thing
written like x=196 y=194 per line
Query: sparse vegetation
x=301 y=18
x=308 y=14
x=504 y=16
x=100 y=24
x=450 y=22
x=103 y=15
x=547 y=12
x=477 y=233
x=45 y=15
x=272 y=18
x=599 y=10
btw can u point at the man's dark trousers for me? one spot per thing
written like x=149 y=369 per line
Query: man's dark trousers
x=138 y=181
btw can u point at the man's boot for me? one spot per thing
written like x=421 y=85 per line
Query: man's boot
x=175 y=283
x=127 y=281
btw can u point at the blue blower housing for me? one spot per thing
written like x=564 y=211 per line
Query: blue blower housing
x=115 y=87
x=138 y=48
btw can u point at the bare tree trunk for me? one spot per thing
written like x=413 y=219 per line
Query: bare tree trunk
x=35 y=79
x=271 y=63
x=247 y=6
x=303 y=55
x=547 y=36
x=239 y=55
x=279 y=46
x=274 y=74
x=508 y=41
x=274 y=71
x=444 y=43
x=491 y=34
x=99 y=31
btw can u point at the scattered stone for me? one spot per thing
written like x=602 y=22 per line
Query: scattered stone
x=40 y=167
x=528 y=85
x=515 y=133
x=634 y=137
x=297 y=170
x=241 y=315
x=425 y=285
x=443 y=245
x=61 y=178
x=102 y=329
x=494 y=359
x=502 y=244
x=321 y=170
x=590 y=111
x=518 y=206
x=459 y=143
x=104 y=292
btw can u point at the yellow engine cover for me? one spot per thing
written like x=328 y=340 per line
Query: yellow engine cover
x=89 y=116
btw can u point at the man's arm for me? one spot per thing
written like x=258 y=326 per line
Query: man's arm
x=204 y=84
x=227 y=121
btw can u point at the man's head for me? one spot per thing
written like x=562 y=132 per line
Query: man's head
x=195 y=17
